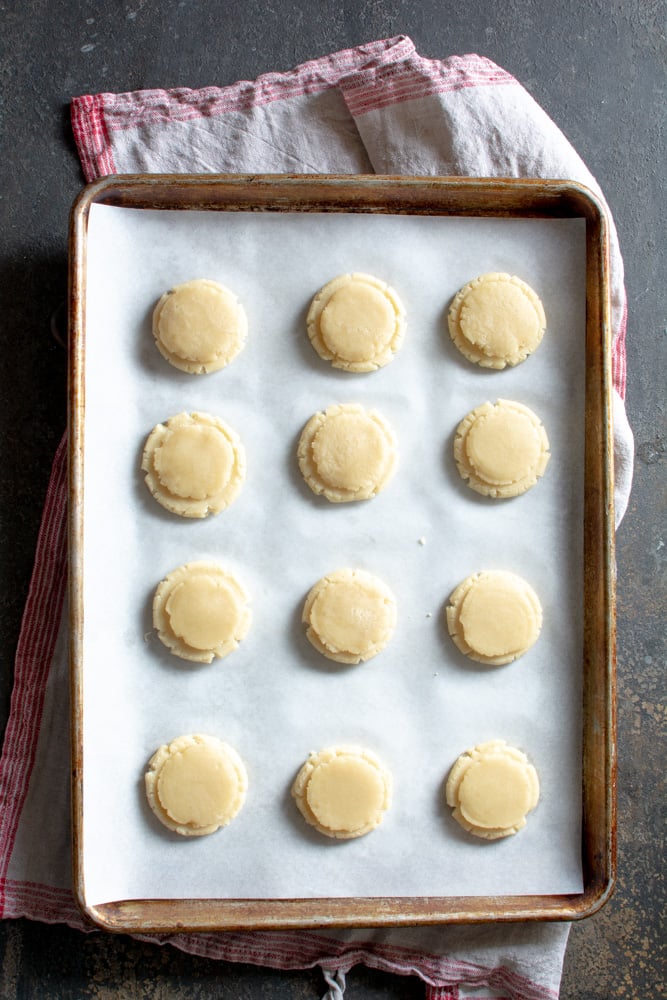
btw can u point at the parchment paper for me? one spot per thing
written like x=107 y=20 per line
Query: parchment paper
x=418 y=704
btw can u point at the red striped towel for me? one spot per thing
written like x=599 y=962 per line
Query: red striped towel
x=377 y=108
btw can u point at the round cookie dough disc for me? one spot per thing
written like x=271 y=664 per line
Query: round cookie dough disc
x=200 y=611
x=347 y=453
x=199 y=326
x=194 y=461
x=350 y=615
x=196 y=784
x=491 y=788
x=194 y=464
x=343 y=792
x=494 y=617
x=495 y=793
x=501 y=449
x=496 y=320
x=356 y=322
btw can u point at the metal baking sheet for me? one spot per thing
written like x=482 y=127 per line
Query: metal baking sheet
x=337 y=214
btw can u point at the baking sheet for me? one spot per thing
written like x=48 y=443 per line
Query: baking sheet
x=419 y=703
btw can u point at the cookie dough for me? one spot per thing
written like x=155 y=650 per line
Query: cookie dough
x=343 y=792
x=491 y=788
x=199 y=326
x=194 y=464
x=200 y=611
x=347 y=453
x=349 y=615
x=196 y=784
x=357 y=322
x=501 y=449
x=494 y=617
x=496 y=320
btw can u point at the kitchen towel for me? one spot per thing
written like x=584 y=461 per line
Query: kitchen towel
x=379 y=108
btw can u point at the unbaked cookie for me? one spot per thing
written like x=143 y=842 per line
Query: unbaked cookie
x=491 y=788
x=501 y=449
x=199 y=326
x=496 y=320
x=350 y=615
x=347 y=453
x=343 y=792
x=194 y=464
x=196 y=784
x=494 y=617
x=356 y=322
x=200 y=611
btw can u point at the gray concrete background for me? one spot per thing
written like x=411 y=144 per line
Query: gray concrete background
x=599 y=69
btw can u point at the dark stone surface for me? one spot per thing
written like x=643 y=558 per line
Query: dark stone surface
x=598 y=68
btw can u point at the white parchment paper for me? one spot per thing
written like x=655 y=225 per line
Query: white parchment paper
x=418 y=704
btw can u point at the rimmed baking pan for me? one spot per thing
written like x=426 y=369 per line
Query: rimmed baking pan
x=275 y=235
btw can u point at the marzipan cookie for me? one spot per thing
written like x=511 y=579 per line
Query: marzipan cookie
x=496 y=320
x=200 y=611
x=347 y=453
x=494 y=617
x=356 y=322
x=343 y=791
x=501 y=449
x=199 y=326
x=194 y=464
x=491 y=788
x=349 y=615
x=196 y=784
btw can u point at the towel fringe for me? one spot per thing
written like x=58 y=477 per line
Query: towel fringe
x=336 y=983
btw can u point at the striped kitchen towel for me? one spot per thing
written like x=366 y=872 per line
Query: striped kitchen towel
x=379 y=108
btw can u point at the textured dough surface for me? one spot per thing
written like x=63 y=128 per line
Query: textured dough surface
x=501 y=449
x=491 y=788
x=350 y=615
x=357 y=322
x=196 y=784
x=494 y=617
x=199 y=326
x=347 y=453
x=496 y=320
x=194 y=464
x=200 y=611
x=343 y=792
